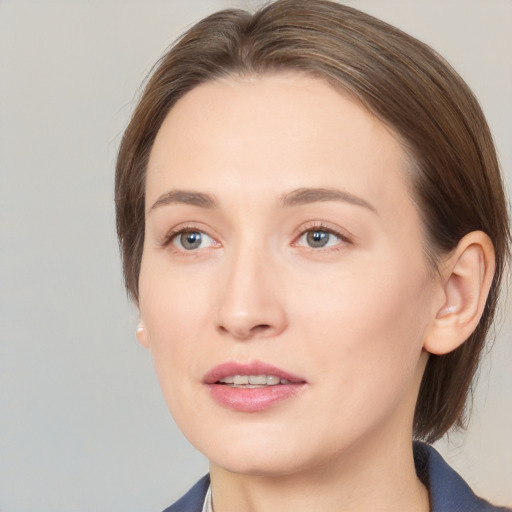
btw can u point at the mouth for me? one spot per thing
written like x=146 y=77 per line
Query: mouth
x=252 y=387
x=252 y=381
x=255 y=374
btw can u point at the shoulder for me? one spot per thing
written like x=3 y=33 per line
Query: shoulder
x=193 y=500
x=448 y=491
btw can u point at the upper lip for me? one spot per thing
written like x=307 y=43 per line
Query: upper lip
x=255 y=368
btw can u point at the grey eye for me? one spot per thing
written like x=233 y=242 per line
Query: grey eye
x=319 y=238
x=191 y=240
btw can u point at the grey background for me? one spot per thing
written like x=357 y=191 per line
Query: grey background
x=83 y=426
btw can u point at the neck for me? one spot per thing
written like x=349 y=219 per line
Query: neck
x=379 y=478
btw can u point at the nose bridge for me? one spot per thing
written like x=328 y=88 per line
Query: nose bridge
x=251 y=301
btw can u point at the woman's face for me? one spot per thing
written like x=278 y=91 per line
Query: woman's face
x=284 y=291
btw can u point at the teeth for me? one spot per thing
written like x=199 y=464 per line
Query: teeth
x=253 y=380
x=272 y=380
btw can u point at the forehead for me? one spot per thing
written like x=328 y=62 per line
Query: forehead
x=270 y=134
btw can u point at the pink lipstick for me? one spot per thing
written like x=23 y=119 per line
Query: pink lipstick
x=251 y=387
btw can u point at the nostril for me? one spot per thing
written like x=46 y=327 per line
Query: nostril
x=240 y=332
x=257 y=329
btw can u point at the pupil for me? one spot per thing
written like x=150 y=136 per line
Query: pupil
x=191 y=240
x=317 y=238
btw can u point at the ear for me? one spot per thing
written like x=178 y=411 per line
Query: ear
x=466 y=277
x=142 y=335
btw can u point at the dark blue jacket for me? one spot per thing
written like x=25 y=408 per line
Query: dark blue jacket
x=448 y=492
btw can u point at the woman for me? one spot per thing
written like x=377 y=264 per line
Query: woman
x=314 y=229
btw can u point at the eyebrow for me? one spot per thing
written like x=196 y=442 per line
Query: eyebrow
x=298 y=197
x=304 y=196
x=185 y=197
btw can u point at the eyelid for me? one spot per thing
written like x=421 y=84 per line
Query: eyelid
x=172 y=234
x=342 y=234
x=177 y=241
x=315 y=225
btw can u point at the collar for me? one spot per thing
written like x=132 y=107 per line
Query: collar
x=448 y=491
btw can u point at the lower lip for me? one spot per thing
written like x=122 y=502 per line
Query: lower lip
x=252 y=400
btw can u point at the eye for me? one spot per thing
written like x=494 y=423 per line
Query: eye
x=319 y=238
x=192 y=240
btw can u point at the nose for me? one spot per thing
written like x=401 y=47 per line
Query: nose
x=252 y=302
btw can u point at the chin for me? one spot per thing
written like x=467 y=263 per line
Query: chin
x=253 y=455
x=264 y=465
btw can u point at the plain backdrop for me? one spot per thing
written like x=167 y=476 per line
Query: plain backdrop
x=83 y=426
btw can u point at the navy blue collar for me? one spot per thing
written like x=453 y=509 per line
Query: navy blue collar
x=448 y=491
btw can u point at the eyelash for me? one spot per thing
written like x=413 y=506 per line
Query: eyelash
x=320 y=226
x=174 y=233
x=309 y=227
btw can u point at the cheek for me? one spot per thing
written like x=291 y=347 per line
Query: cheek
x=172 y=300
x=369 y=323
x=363 y=343
x=174 y=311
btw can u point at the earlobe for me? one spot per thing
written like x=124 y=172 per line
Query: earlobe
x=142 y=335
x=466 y=279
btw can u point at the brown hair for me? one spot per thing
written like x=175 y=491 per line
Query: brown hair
x=455 y=175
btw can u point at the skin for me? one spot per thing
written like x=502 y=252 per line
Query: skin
x=352 y=318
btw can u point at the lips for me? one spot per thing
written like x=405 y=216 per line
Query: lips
x=257 y=368
x=251 y=387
